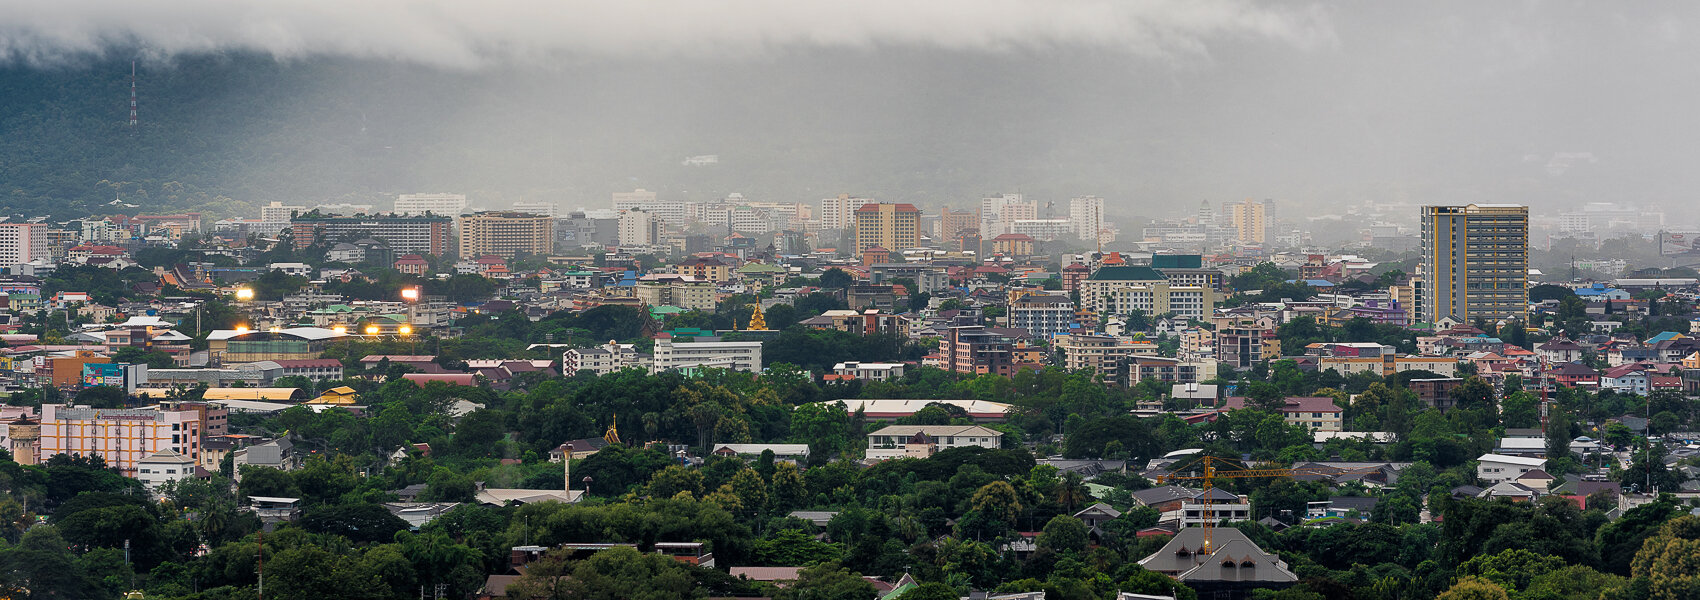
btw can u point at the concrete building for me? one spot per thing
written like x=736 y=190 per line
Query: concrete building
x=601 y=360
x=694 y=353
x=953 y=222
x=973 y=349
x=891 y=226
x=403 y=234
x=163 y=467
x=1042 y=315
x=1086 y=217
x=437 y=204
x=921 y=441
x=1103 y=354
x=1253 y=221
x=999 y=213
x=506 y=234
x=123 y=437
x=547 y=209
x=274 y=217
x=1475 y=262
x=21 y=243
x=869 y=371
x=840 y=213
x=639 y=227
x=682 y=291
x=1185 y=301
x=1095 y=290
x=1499 y=468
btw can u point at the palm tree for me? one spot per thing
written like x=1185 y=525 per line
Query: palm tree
x=651 y=425
x=1072 y=491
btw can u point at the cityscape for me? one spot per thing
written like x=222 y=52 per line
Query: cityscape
x=261 y=342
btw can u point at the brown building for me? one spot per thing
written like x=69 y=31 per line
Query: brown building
x=506 y=234
x=973 y=349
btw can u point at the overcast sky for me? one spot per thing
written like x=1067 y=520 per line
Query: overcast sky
x=1152 y=104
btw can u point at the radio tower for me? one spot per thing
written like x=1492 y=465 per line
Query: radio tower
x=132 y=93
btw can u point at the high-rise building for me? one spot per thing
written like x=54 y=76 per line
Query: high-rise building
x=1253 y=221
x=1086 y=215
x=274 y=217
x=1475 y=262
x=436 y=204
x=547 y=209
x=506 y=234
x=639 y=227
x=894 y=227
x=839 y=213
x=405 y=235
x=953 y=222
x=21 y=243
x=999 y=213
x=638 y=198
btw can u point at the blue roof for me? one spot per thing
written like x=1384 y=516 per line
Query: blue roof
x=1319 y=283
x=1668 y=335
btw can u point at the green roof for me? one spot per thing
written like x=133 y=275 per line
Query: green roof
x=1128 y=274
x=759 y=268
x=1177 y=261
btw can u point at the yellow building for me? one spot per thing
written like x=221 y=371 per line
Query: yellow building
x=232 y=346
x=894 y=227
x=506 y=234
x=1475 y=262
x=1252 y=220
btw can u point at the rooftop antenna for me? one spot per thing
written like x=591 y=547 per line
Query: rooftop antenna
x=133 y=94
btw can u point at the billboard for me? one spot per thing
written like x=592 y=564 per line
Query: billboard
x=1678 y=242
x=122 y=376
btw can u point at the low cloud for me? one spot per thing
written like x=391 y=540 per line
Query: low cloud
x=468 y=34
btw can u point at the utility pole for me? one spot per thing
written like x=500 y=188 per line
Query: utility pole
x=260 y=541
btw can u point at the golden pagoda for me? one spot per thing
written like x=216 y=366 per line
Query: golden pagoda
x=613 y=434
x=757 y=321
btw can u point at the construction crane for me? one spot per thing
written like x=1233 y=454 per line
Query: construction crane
x=1208 y=469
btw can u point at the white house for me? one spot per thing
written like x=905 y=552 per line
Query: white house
x=921 y=441
x=162 y=467
x=1497 y=468
x=869 y=371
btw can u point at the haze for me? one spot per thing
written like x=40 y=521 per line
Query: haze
x=1153 y=105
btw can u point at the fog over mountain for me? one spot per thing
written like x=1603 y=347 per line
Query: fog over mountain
x=1153 y=105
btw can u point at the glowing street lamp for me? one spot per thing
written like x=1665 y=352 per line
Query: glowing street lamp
x=371 y=330
x=244 y=294
x=241 y=329
x=405 y=330
x=410 y=294
x=340 y=329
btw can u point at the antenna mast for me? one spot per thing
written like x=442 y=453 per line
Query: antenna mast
x=133 y=93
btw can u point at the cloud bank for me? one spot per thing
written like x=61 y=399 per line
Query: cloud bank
x=469 y=34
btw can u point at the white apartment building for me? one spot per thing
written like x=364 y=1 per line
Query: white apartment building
x=1186 y=301
x=639 y=227
x=1042 y=315
x=998 y=213
x=1499 y=468
x=840 y=212
x=1086 y=216
x=677 y=353
x=21 y=243
x=1044 y=229
x=683 y=291
x=601 y=360
x=120 y=436
x=547 y=209
x=639 y=198
x=275 y=217
x=869 y=371
x=437 y=204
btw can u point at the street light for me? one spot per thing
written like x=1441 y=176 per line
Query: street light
x=241 y=329
x=371 y=330
x=410 y=294
x=340 y=329
x=405 y=330
x=244 y=294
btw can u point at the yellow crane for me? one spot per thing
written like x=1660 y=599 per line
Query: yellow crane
x=1208 y=470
